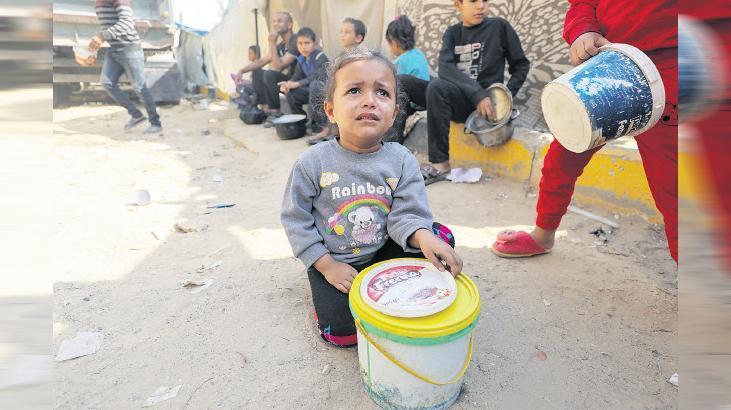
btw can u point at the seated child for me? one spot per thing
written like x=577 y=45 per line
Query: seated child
x=352 y=33
x=410 y=62
x=307 y=84
x=254 y=53
x=334 y=240
x=472 y=58
x=401 y=38
x=247 y=96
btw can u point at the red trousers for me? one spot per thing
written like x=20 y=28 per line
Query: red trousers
x=658 y=148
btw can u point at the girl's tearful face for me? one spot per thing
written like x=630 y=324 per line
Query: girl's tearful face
x=363 y=104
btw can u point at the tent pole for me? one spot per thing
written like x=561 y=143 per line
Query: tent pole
x=256 y=27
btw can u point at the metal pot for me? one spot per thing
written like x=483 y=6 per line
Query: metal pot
x=502 y=102
x=252 y=116
x=492 y=133
x=491 y=136
x=291 y=126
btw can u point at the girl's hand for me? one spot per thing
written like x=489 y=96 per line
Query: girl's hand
x=341 y=275
x=439 y=253
x=585 y=47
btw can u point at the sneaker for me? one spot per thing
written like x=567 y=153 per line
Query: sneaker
x=134 y=121
x=153 y=129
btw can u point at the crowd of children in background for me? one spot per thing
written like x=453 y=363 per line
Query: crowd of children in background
x=298 y=71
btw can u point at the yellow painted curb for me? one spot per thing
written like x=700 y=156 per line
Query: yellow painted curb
x=221 y=95
x=512 y=159
x=614 y=179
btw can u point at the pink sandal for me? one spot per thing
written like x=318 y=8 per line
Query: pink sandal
x=517 y=244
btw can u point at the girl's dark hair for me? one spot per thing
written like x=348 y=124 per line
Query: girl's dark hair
x=402 y=31
x=358 y=26
x=256 y=51
x=357 y=54
x=307 y=32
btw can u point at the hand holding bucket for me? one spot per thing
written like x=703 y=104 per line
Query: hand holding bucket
x=585 y=47
x=616 y=93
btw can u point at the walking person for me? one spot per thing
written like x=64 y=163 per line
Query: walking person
x=125 y=56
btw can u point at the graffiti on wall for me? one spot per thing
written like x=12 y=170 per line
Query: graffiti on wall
x=539 y=24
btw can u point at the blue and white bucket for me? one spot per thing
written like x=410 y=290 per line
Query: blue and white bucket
x=618 y=92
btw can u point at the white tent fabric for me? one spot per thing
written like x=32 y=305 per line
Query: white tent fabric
x=226 y=45
x=197 y=16
x=189 y=55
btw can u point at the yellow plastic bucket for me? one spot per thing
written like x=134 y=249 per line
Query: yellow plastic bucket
x=415 y=362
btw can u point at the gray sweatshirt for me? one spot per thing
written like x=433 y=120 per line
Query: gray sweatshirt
x=348 y=204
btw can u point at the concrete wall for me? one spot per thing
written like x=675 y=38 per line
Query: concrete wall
x=539 y=24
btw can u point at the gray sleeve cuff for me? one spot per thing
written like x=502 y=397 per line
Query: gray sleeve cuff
x=310 y=255
x=409 y=230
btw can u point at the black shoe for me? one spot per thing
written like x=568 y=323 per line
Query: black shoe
x=269 y=122
x=134 y=121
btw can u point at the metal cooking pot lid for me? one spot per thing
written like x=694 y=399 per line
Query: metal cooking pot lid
x=502 y=101
x=289 y=119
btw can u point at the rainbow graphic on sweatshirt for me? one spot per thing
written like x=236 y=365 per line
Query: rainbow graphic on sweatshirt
x=376 y=201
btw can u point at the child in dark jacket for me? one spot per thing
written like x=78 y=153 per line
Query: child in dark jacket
x=307 y=82
x=472 y=58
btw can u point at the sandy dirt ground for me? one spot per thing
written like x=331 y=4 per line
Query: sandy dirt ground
x=604 y=314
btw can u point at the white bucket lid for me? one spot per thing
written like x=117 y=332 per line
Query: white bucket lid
x=408 y=288
x=289 y=118
x=566 y=114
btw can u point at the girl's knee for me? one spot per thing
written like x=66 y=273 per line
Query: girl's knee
x=340 y=333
